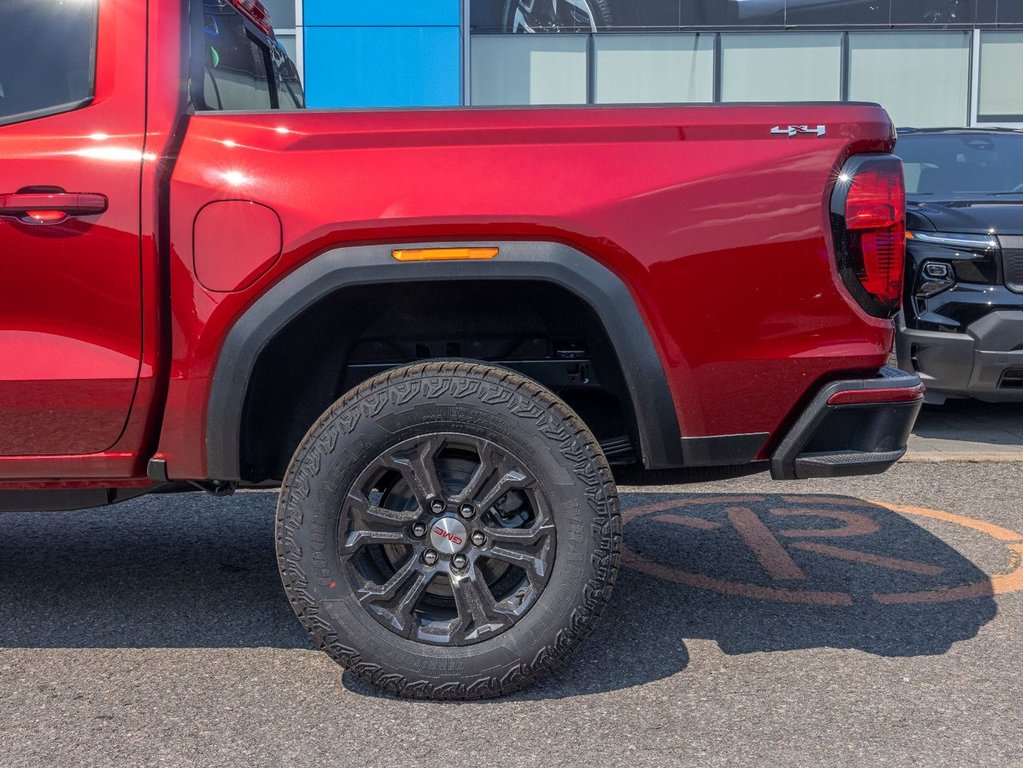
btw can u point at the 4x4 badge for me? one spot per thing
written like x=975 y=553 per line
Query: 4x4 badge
x=795 y=130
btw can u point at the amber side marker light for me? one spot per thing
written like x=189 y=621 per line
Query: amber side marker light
x=446 y=254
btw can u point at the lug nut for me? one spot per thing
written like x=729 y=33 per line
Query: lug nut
x=467 y=511
x=419 y=530
x=459 y=561
x=479 y=539
x=438 y=506
x=430 y=557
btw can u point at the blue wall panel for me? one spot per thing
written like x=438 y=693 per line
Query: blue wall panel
x=372 y=53
x=382 y=66
x=383 y=13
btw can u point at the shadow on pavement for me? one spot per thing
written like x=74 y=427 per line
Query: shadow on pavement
x=752 y=573
x=995 y=424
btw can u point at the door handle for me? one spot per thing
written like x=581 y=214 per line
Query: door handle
x=51 y=207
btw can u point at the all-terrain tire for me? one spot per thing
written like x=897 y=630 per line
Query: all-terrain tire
x=567 y=492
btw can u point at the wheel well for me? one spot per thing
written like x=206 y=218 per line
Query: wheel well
x=540 y=329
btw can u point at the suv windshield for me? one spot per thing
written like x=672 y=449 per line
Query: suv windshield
x=962 y=163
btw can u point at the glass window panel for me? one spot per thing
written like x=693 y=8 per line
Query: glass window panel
x=288 y=41
x=753 y=13
x=529 y=69
x=1010 y=12
x=282 y=13
x=986 y=11
x=48 y=58
x=289 y=84
x=782 y=66
x=934 y=11
x=1001 y=65
x=487 y=16
x=921 y=78
x=648 y=69
x=237 y=74
x=837 y=11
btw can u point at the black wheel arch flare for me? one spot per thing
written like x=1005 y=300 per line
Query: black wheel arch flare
x=651 y=400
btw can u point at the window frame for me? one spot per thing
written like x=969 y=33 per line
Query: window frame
x=68 y=106
x=983 y=118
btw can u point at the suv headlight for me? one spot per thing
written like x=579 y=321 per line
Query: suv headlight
x=946 y=258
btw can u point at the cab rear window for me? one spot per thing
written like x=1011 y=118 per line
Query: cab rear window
x=47 y=57
x=243 y=67
x=236 y=64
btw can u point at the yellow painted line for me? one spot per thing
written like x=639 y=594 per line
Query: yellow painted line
x=758 y=537
x=994 y=531
x=780 y=565
x=688 y=522
x=868 y=558
x=637 y=562
x=855 y=524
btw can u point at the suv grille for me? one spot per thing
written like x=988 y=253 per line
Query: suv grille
x=1012 y=259
x=1012 y=379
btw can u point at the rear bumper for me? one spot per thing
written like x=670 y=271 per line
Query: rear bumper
x=986 y=362
x=852 y=427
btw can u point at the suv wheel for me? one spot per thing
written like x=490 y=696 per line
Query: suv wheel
x=449 y=531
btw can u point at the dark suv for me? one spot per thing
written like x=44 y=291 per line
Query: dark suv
x=962 y=323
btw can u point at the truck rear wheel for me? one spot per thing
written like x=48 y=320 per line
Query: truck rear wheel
x=449 y=531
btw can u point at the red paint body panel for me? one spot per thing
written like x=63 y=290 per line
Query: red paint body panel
x=234 y=242
x=70 y=304
x=718 y=228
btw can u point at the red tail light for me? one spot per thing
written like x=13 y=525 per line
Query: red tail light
x=868 y=214
x=256 y=12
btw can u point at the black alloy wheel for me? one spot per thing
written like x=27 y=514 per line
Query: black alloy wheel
x=449 y=530
x=447 y=539
x=556 y=15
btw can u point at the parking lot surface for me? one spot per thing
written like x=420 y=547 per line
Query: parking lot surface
x=868 y=621
x=968 y=430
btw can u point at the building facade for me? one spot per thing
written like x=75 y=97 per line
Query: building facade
x=929 y=62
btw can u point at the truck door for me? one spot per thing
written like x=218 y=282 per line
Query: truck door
x=72 y=128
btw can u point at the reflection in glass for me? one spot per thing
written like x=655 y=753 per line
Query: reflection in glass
x=528 y=69
x=921 y=78
x=781 y=66
x=934 y=11
x=838 y=12
x=650 y=69
x=1001 y=62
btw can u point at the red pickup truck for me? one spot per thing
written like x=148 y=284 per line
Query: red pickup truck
x=437 y=331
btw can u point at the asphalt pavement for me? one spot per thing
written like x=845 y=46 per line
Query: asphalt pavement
x=870 y=621
x=968 y=430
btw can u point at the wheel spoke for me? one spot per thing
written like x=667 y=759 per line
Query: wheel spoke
x=526 y=548
x=370 y=516
x=478 y=612
x=358 y=539
x=519 y=537
x=419 y=468
x=495 y=476
x=534 y=565
x=370 y=524
x=396 y=598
